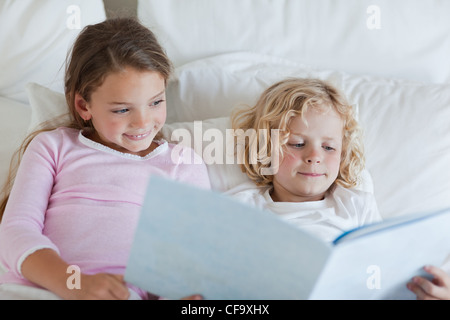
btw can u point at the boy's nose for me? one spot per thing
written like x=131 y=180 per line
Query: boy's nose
x=313 y=157
x=313 y=160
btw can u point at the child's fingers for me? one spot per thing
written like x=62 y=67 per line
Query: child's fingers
x=435 y=289
x=440 y=275
x=438 y=288
x=193 y=297
x=119 y=289
x=417 y=289
x=441 y=282
x=428 y=288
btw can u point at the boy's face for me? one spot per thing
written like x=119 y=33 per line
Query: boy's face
x=127 y=110
x=311 y=157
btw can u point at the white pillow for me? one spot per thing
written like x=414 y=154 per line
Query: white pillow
x=205 y=137
x=402 y=39
x=35 y=38
x=211 y=87
x=14 y=120
x=407 y=136
x=223 y=169
x=46 y=105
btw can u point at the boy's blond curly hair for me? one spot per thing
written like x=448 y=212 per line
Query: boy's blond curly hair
x=277 y=106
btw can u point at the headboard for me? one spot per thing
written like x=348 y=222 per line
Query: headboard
x=397 y=39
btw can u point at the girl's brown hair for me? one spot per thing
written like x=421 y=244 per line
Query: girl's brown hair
x=99 y=50
x=277 y=106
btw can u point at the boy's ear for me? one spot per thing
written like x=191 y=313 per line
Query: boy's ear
x=81 y=106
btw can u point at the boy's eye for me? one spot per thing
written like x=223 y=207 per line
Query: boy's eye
x=297 y=145
x=156 y=103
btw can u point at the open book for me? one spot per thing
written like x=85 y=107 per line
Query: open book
x=190 y=241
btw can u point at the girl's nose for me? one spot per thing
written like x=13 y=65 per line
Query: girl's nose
x=141 y=119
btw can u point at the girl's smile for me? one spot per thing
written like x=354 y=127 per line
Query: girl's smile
x=137 y=137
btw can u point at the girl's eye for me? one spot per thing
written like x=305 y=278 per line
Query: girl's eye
x=328 y=148
x=121 y=111
x=297 y=145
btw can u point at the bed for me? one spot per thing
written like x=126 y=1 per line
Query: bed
x=390 y=58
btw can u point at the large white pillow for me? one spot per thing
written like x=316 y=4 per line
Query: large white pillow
x=402 y=39
x=35 y=38
x=212 y=87
x=208 y=138
x=407 y=136
x=18 y=119
x=48 y=105
x=14 y=121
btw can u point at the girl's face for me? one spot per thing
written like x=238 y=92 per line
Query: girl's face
x=311 y=157
x=127 y=110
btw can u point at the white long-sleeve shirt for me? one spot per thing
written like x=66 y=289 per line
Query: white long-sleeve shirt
x=341 y=210
x=83 y=200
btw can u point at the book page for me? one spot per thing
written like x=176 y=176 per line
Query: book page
x=191 y=241
x=378 y=265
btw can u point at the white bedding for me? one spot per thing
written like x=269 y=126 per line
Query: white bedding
x=390 y=57
x=405 y=123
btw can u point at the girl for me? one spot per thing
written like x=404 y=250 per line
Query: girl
x=312 y=144
x=79 y=188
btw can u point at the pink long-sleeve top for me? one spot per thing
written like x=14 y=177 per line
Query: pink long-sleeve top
x=83 y=200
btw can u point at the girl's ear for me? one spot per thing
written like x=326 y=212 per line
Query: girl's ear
x=81 y=106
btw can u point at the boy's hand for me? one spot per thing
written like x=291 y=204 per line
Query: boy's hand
x=436 y=289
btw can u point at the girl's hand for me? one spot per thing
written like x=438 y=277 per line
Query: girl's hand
x=194 y=297
x=191 y=297
x=47 y=269
x=101 y=286
x=436 y=289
